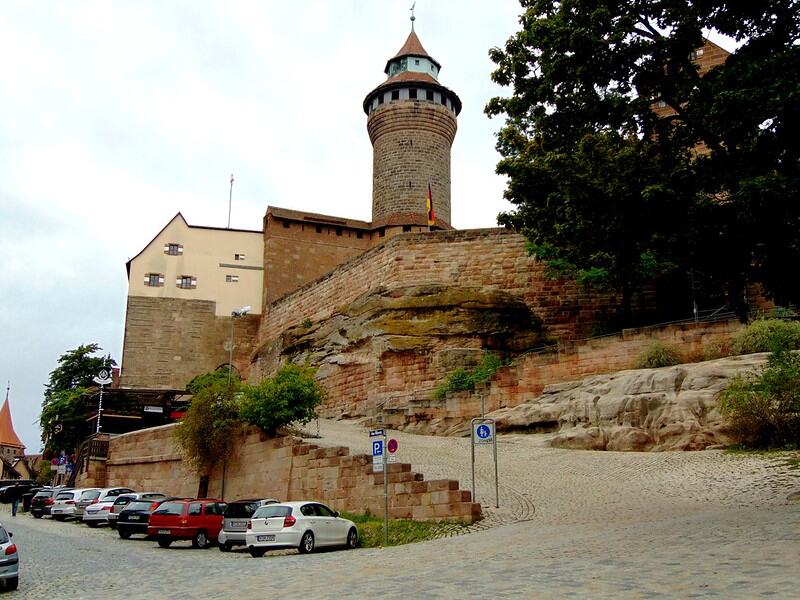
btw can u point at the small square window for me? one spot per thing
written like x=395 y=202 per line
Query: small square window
x=662 y=104
x=429 y=95
x=359 y=234
x=338 y=231
x=173 y=249
x=380 y=99
x=395 y=94
x=416 y=61
x=231 y=279
x=319 y=228
x=154 y=279
x=382 y=232
x=412 y=93
x=406 y=228
x=286 y=224
x=238 y=257
x=186 y=282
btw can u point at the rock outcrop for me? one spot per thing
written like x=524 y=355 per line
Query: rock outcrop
x=672 y=408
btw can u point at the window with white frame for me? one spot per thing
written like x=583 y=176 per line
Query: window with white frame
x=173 y=249
x=238 y=257
x=154 y=279
x=231 y=279
x=186 y=282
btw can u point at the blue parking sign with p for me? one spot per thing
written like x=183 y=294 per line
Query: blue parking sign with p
x=377 y=447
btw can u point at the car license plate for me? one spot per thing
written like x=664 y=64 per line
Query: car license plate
x=134 y=517
x=164 y=532
x=265 y=538
x=238 y=523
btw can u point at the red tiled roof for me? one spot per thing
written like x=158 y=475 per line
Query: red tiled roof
x=8 y=437
x=412 y=47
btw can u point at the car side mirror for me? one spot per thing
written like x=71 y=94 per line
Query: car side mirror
x=336 y=513
x=10 y=534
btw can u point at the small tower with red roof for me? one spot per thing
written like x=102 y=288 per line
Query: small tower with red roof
x=411 y=124
x=11 y=446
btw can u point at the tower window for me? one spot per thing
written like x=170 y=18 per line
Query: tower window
x=338 y=231
x=382 y=232
x=319 y=228
x=406 y=228
x=412 y=93
x=380 y=99
x=429 y=95
x=395 y=94
x=359 y=234
x=286 y=224
x=416 y=61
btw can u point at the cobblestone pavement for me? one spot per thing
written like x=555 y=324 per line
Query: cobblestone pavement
x=571 y=524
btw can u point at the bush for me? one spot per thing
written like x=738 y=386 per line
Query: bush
x=292 y=396
x=763 y=408
x=767 y=335
x=658 y=355
x=208 y=431
x=461 y=379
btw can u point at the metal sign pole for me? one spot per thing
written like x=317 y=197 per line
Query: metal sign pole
x=385 y=497
x=496 y=484
x=99 y=409
x=472 y=447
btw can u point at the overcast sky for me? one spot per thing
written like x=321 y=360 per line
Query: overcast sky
x=114 y=116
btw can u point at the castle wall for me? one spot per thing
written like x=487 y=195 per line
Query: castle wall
x=411 y=149
x=286 y=468
x=168 y=341
x=296 y=253
x=482 y=258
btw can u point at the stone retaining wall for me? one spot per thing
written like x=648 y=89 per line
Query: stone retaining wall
x=286 y=468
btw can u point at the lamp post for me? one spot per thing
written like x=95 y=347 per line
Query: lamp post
x=235 y=314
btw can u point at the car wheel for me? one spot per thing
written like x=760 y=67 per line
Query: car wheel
x=59 y=517
x=307 y=543
x=92 y=524
x=164 y=541
x=257 y=552
x=200 y=539
x=226 y=547
x=123 y=533
x=352 y=538
x=112 y=524
x=35 y=516
x=12 y=583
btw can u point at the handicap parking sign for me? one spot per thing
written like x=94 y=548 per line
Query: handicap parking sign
x=377 y=447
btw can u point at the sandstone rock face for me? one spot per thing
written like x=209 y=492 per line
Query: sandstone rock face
x=672 y=408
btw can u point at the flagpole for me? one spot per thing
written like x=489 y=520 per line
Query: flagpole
x=230 y=199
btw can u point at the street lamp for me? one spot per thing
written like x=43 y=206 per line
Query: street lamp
x=235 y=314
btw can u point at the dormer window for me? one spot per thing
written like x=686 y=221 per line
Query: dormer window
x=395 y=94
x=412 y=93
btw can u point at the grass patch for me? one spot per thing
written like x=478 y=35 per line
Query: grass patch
x=401 y=531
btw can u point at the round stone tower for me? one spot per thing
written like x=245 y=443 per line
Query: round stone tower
x=412 y=124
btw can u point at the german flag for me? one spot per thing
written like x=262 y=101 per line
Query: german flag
x=431 y=214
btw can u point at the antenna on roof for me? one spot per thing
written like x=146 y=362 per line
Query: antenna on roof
x=230 y=198
x=8 y=388
x=413 y=18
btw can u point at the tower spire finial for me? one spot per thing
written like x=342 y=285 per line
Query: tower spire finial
x=413 y=18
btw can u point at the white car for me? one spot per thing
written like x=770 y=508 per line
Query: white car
x=98 y=505
x=64 y=505
x=9 y=560
x=301 y=525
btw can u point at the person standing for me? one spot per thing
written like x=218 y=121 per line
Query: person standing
x=16 y=492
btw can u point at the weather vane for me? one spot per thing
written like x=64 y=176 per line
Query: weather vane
x=413 y=18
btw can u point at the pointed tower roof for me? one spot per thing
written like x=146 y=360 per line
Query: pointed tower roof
x=412 y=47
x=8 y=437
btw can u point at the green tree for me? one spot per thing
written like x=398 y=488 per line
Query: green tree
x=292 y=396
x=63 y=416
x=611 y=192
x=208 y=432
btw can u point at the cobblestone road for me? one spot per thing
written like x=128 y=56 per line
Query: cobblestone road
x=571 y=524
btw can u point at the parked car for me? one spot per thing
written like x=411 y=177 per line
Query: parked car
x=124 y=499
x=301 y=525
x=135 y=517
x=196 y=520
x=235 y=519
x=97 y=495
x=9 y=560
x=64 y=505
x=43 y=500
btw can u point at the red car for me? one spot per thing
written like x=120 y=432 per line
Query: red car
x=196 y=520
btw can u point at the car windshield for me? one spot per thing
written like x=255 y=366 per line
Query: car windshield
x=3 y=536
x=90 y=494
x=240 y=510
x=170 y=508
x=273 y=510
x=44 y=494
x=139 y=505
x=122 y=500
x=65 y=496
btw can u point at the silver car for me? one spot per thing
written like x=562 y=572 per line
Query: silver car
x=96 y=495
x=124 y=499
x=9 y=560
x=64 y=505
x=235 y=518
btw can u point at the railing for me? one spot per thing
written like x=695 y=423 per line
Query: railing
x=95 y=446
